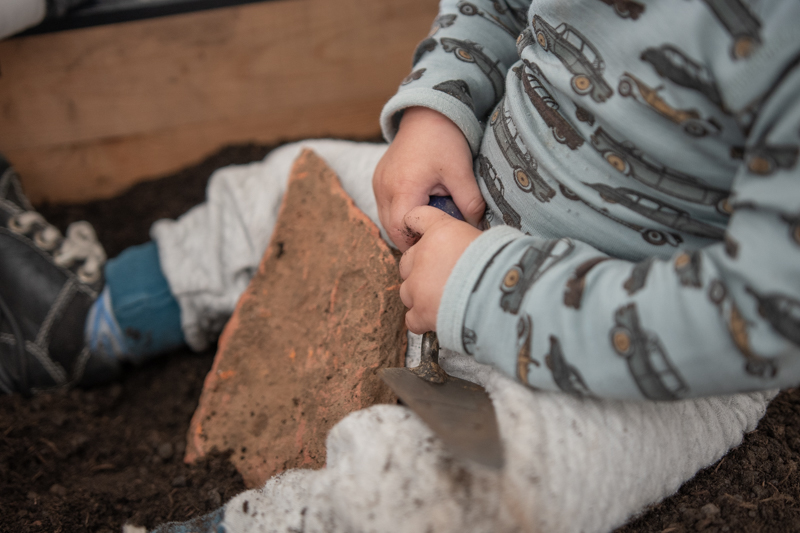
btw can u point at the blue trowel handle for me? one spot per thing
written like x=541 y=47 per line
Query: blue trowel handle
x=446 y=204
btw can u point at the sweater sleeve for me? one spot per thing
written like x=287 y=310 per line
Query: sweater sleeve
x=560 y=315
x=456 y=75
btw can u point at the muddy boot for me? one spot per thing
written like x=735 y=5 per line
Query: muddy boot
x=48 y=283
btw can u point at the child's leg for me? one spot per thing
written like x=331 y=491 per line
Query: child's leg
x=210 y=254
x=571 y=465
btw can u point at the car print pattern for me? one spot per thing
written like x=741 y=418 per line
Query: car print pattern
x=687 y=266
x=740 y=22
x=731 y=246
x=425 y=46
x=494 y=185
x=414 y=76
x=578 y=55
x=471 y=52
x=576 y=283
x=648 y=363
x=782 y=312
x=534 y=262
x=688 y=119
x=764 y=159
x=755 y=365
x=794 y=227
x=717 y=292
x=657 y=211
x=584 y=115
x=669 y=62
x=650 y=235
x=524 y=359
x=469 y=338
x=459 y=90
x=531 y=78
x=566 y=376
x=638 y=278
x=626 y=8
x=625 y=158
x=469 y=9
x=523 y=165
x=442 y=21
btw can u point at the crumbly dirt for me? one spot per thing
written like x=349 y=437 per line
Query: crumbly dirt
x=92 y=460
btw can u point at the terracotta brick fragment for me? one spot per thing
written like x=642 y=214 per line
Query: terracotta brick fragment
x=302 y=349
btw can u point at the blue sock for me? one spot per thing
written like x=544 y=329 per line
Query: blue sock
x=136 y=316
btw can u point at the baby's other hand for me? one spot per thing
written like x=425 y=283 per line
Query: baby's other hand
x=426 y=266
x=428 y=157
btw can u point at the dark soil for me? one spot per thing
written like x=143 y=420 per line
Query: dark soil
x=92 y=460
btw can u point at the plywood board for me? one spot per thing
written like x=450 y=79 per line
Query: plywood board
x=85 y=113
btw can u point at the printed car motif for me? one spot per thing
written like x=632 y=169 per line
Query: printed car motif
x=584 y=115
x=631 y=86
x=417 y=74
x=494 y=185
x=425 y=46
x=687 y=266
x=717 y=293
x=782 y=312
x=626 y=8
x=468 y=339
x=471 y=52
x=576 y=283
x=674 y=65
x=524 y=359
x=731 y=246
x=578 y=55
x=652 y=236
x=764 y=159
x=535 y=262
x=755 y=365
x=524 y=40
x=459 y=90
x=566 y=376
x=522 y=163
x=651 y=369
x=794 y=227
x=638 y=278
x=442 y=21
x=531 y=78
x=471 y=10
x=630 y=161
x=657 y=211
x=741 y=24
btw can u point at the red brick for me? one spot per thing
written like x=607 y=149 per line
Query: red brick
x=302 y=349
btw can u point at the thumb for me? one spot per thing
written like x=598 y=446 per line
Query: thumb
x=420 y=219
x=467 y=197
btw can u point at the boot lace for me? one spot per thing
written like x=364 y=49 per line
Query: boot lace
x=79 y=251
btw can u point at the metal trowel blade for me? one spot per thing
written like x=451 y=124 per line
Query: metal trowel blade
x=458 y=411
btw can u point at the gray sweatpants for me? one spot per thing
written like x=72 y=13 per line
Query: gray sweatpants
x=209 y=254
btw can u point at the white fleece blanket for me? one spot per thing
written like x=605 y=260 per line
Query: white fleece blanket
x=571 y=465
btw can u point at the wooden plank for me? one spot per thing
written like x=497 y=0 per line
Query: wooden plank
x=86 y=113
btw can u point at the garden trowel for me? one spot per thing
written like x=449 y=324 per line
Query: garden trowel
x=458 y=411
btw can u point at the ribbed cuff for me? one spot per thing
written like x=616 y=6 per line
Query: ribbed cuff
x=458 y=289
x=450 y=107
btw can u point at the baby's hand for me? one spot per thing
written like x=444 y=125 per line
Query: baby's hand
x=426 y=266
x=428 y=157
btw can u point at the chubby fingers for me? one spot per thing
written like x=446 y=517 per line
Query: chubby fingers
x=420 y=219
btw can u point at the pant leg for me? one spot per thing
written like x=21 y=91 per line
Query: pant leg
x=209 y=254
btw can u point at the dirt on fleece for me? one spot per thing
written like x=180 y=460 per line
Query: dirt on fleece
x=92 y=460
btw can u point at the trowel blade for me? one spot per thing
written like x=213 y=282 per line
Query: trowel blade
x=458 y=411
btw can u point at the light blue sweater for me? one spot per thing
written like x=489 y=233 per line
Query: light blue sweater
x=639 y=164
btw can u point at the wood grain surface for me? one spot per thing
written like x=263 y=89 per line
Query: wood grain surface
x=85 y=113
